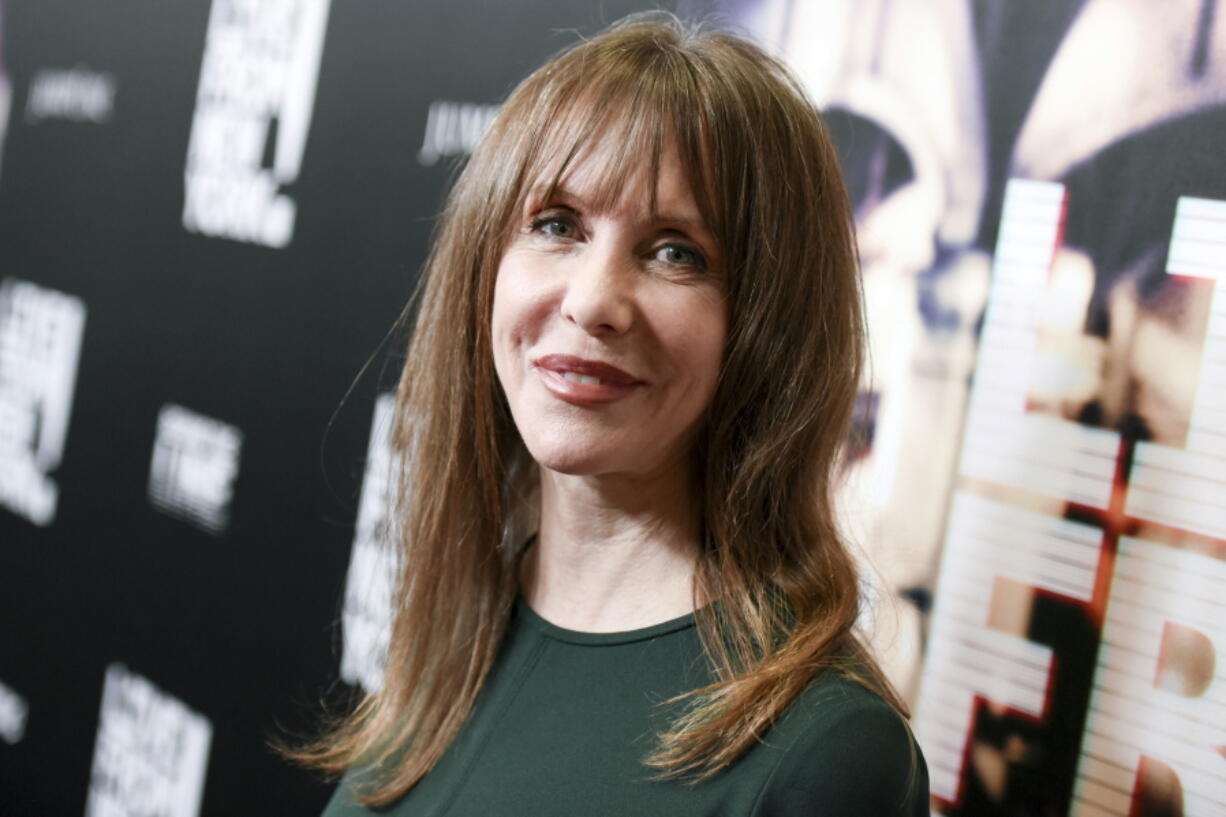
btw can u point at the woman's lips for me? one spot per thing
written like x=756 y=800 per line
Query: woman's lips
x=584 y=382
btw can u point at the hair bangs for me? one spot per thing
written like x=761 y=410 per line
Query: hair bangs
x=617 y=123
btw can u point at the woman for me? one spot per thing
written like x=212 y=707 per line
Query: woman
x=623 y=587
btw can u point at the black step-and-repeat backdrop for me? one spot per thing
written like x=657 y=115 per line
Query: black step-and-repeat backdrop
x=212 y=212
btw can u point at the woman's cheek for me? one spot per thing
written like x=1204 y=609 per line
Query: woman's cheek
x=520 y=313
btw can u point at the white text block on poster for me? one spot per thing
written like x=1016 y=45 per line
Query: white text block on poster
x=988 y=540
x=151 y=752
x=1003 y=443
x=366 y=620
x=1157 y=717
x=1186 y=487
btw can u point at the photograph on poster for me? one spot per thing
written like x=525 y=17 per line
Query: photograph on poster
x=1079 y=220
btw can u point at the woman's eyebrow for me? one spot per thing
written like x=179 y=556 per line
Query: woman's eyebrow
x=682 y=221
x=544 y=197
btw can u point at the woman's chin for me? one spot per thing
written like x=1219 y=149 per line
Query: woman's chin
x=571 y=465
x=573 y=460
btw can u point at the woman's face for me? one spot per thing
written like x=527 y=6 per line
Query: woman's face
x=609 y=324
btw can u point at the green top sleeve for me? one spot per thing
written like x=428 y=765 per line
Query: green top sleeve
x=856 y=758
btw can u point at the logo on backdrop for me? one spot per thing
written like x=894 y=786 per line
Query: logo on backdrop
x=76 y=94
x=195 y=461
x=253 y=112
x=454 y=129
x=40 y=342
x=366 y=621
x=13 y=713
x=151 y=752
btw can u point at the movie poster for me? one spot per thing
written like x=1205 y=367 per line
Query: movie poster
x=1040 y=194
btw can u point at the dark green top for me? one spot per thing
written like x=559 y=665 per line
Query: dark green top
x=565 y=718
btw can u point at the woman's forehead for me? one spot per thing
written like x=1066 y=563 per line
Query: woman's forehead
x=591 y=183
x=620 y=167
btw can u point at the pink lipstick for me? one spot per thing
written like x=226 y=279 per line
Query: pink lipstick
x=584 y=382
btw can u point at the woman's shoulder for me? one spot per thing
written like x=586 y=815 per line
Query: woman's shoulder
x=842 y=750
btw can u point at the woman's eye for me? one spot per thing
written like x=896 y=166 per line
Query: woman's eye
x=681 y=256
x=556 y=226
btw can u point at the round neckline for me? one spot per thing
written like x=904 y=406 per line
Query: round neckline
x=553 y=631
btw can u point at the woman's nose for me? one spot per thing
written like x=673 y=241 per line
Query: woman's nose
x=599 y=291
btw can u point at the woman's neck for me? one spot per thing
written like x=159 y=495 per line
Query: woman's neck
x=612 y=554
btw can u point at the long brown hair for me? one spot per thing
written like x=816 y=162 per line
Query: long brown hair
x=764 y=172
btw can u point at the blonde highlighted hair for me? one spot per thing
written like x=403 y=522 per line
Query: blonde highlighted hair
x=765 y=175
